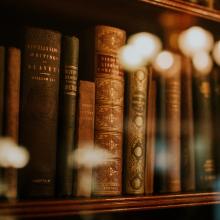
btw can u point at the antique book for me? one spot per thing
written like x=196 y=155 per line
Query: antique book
x=67 y=107
x=12 y=106
x=150 y=134
x=215 y=91
x=2 y=86
x=85 y=136
x=135 y=120
x=101 y=64
x=167 y=160
x=39 y=109
x=204 y=145
x=187 y=128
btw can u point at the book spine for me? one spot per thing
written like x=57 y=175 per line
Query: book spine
x=67 y=108
x=39 y=109
x=160 y=175
x=204 y=157
x=136 y=97
x=2 y=87
x=150 y=135
x=85 y=135
x=173 y=116
x=12 y=106
x=187 y=128
x=2 y=97
x=109 y=106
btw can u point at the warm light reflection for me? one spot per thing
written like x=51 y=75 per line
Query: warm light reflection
x=147 y=44
x=216 y=52
x=12 y=155
x=164 y=61
x=195 y=39
x=202 y=62
x=90 y=156
x=130 y=58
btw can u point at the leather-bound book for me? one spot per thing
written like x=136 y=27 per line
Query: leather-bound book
x=167 y=160
x=12 y=106
x=101 y=64
x=150 y=133
x=2 y=86
x=67 y=107
x=187 y=128
x=39 y=110
x=135 y=118
x=204 y=145
x=85 y=136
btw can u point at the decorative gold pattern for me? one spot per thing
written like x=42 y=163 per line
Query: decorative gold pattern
x=109 y=108
x=135 y=137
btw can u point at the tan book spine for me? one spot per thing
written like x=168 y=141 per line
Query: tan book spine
x=109 y=106
x=85 y=134
x=136 y=97
x=12 y=103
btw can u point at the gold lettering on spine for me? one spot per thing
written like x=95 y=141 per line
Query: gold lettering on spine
x=135 y=138
x=44 y=67
x=70 y=78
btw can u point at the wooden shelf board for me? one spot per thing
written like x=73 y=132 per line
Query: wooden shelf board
x=58 y=207
x=186 y=7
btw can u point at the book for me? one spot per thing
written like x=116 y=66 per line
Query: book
x=187 y=128
x=12 y=109
x=167 y=153
x=67 y=108
x=85 y=135
x=2 y=85
x=101 y=65
x=203 y=133
x=215 y=108
x=39 y=110
x=150 y=133
x=135 y=118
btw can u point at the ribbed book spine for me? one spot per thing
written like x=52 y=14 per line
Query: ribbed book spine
x=109 y=106
x=204 y=151
x=67 y=108
x=85 y=135
x=187 y=128
x=136 y=97
x=39 y=109
x=172 y=102
x=12 y=106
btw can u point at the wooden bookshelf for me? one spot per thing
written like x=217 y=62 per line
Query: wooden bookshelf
x=132 y=14
x=58 y=207
x=186 y=7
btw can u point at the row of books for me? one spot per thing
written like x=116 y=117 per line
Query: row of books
x=135 y=133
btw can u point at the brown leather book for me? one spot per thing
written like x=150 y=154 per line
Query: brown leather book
x=100 y=63
x=39 y=109
x=173 y=111
x=85 y=135
x=135 y=117
x=150 y=134
x=12 y=105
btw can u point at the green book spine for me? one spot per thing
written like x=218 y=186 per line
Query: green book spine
x=136 y=97
x=187 y=128
x=204 y=157
x=67 y=108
